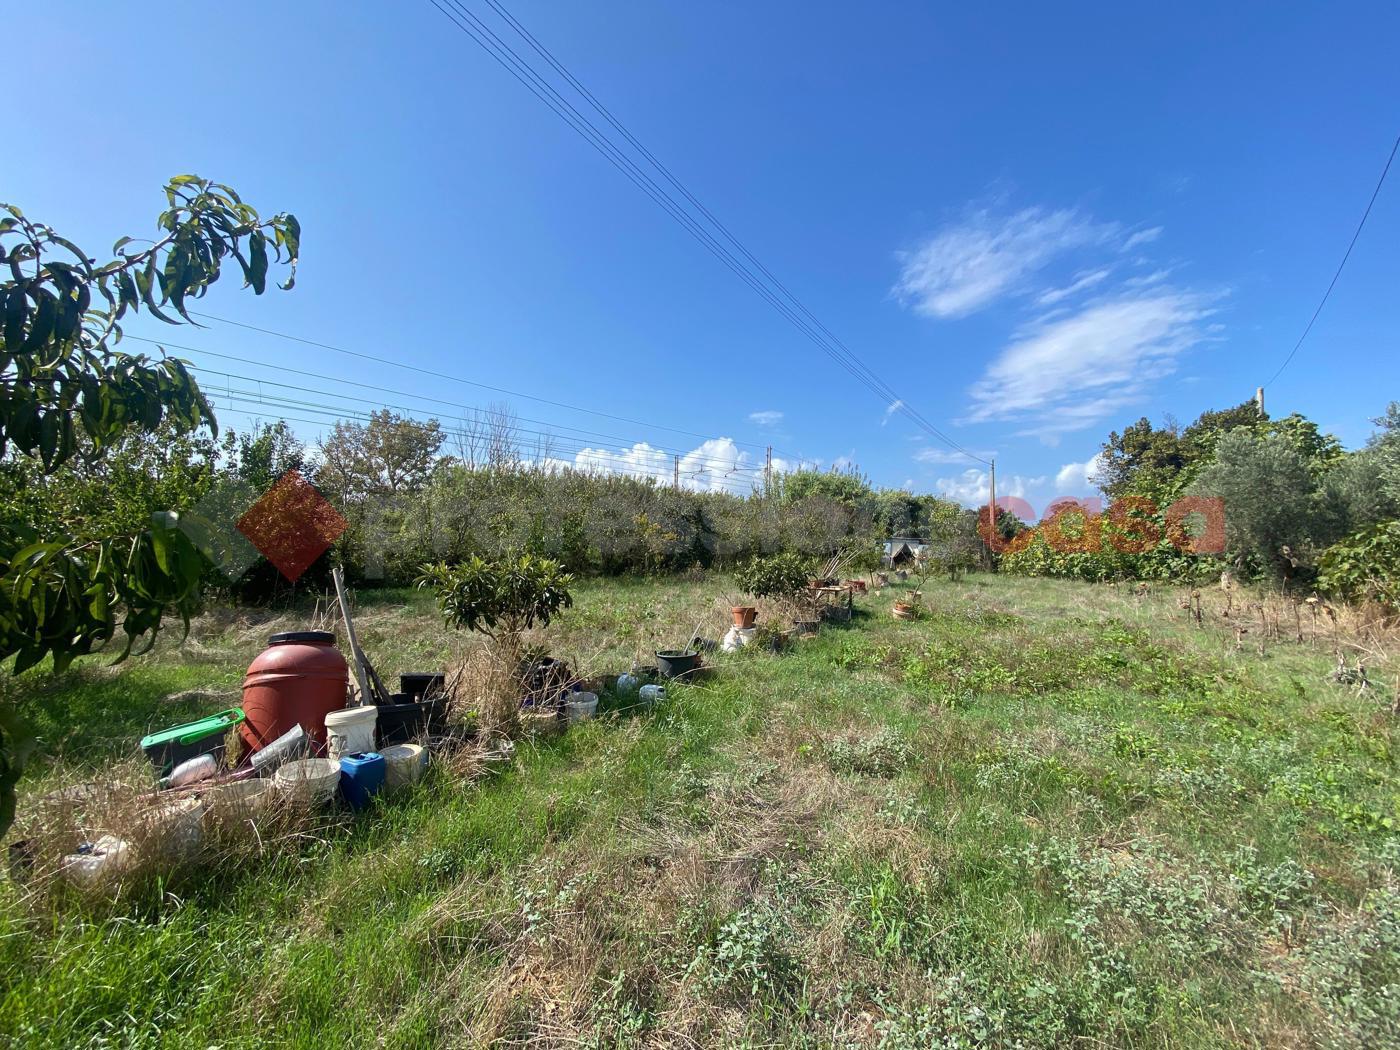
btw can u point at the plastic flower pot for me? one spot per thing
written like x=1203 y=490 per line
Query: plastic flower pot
x=673 y=663
x=744 y=616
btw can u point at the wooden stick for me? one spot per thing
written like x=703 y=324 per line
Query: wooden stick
x=371 y=688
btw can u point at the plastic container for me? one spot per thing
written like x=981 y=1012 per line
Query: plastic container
x=193 y=770
x=582 y=706
x=97 y=862
x=402 y=722
x=308 y=781
x=239 y=799
x=361 y=777
x=296 y=680
x=418 y=685
x=403 y=764
x=350 y=730
x=673 y=663
x=649 y=694
x=171 y=831
x=169 y=747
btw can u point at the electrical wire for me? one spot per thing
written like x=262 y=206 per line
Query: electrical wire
x=620 y=467
x=511 y=61
x=1327 y=294
x=443 y=376
x=476 y=412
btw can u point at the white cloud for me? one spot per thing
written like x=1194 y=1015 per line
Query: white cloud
x=1077 y=478
x=1146 y=236
x=947 y=455
x=973 y=488
x=1081 y=282
x=766 y=418
x=1069 y=373
x=716 y=465
x=1147 y=280
x=891 y=409
x=964 y=267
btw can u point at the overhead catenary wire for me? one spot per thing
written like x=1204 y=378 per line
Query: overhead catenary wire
x=447 y=377
x=546 y=445
x=619 y=465
x=1340 y=266
x=474 y=411
x=510 y=60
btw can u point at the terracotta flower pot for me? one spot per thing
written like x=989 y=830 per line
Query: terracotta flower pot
x=744 y=616
x=903 y=611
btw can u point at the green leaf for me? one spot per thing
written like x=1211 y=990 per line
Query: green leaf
x=257 y=262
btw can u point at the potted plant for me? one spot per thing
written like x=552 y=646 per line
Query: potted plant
x=782 y=577
x=501 y=600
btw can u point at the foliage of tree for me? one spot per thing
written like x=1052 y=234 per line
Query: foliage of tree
x=260 y=456
x=782 y=576
x=1271 y=496
x=69 y=392
x=500 y=599
x=1364 y=566
x=388 y=455
x=1158 y=463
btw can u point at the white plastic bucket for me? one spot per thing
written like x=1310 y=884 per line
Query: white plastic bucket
x=308 y=781
x=403 y=764
x=351 y=731
x=583 y=706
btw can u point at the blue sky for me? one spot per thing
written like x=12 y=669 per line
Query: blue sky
x=1036 y=223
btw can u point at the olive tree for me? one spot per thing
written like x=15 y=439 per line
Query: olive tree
x=68 y=391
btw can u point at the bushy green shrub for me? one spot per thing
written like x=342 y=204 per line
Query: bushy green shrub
x=1032 y=555
x=501 y=598
x=782 y=576
x=1365 y=565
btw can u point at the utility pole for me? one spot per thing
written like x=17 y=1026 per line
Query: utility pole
x=768 y=472
x=676 y=473
x=992 y=501
x=1259 y=399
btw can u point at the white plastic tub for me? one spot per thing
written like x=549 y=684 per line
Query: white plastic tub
x=582 y=706
x=351 y=731
x=172 y=831
x=403 y=764
x=308 y=781
x=238 y=799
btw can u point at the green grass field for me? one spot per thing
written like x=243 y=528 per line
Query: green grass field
x=1047 y=814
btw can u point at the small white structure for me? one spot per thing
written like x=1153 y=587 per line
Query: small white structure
x=905 y=550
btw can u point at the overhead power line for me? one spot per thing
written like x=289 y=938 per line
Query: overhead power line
x=404 y=365
x=599 y=460
x=474 y=411
x=1342 y=265
x=771 y=290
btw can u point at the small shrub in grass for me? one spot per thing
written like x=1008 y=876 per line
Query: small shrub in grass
x=780 y=577
x=1352 y=969
x=500 y=600
x=883 y=754
x=747 y=955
